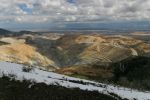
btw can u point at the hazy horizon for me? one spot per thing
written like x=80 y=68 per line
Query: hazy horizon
x=110 y=26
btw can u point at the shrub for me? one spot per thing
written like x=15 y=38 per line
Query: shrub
x=27 y=69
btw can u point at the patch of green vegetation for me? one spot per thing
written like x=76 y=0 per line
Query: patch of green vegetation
x=134 y=73
x=79 y=76
x=3 y=43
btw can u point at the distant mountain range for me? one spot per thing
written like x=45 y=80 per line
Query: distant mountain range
x=84 y=26
x=4 y=31
x=110 y=26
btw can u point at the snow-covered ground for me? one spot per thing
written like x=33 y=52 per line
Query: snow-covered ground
x=50 y=78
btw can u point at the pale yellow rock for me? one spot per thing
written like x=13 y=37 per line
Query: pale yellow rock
x=23 y=53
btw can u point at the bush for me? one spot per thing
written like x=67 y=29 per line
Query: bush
x=27 y=69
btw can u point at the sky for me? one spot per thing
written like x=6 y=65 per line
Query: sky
x=58 y=14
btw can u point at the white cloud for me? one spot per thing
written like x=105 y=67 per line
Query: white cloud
x=81 y=10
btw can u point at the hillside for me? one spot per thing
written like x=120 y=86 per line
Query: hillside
x=20 y=73
x=15 y=50
x=4 y=31
x=97 y=49
x=131 y=72
x=41 y=91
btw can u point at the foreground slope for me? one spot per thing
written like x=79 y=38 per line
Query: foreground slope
x=19 y=72
x=27 y=90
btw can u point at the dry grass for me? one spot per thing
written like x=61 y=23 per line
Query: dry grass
x=90 y=72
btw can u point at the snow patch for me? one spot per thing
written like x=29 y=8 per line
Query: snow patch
x=50 y=78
